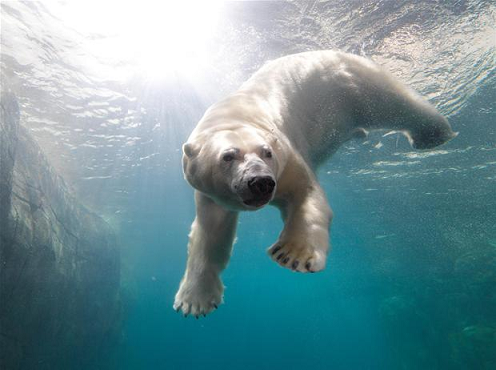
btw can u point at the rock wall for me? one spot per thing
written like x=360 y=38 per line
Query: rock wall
x=59 y=263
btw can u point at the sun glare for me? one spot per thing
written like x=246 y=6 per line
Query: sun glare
x=161 y=38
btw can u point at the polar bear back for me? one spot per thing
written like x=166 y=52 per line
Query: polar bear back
x=319 y=99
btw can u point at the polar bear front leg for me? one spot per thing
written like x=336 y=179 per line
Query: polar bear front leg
x=304 y=242
x=209 y=249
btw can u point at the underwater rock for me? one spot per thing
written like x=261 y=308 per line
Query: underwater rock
x=59 y=263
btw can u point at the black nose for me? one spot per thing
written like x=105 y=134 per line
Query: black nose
x=261 y=185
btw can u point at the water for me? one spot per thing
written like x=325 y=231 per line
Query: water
x=411 y=279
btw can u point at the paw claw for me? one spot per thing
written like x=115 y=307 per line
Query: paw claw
x=198 y=297
x=302 y=254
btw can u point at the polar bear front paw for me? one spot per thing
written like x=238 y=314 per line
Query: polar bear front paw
x=199 y=296
x=299 y=256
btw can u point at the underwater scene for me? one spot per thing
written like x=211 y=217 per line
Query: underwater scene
x=97 y=100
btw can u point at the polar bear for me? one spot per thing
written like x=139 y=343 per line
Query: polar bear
x=262 y=145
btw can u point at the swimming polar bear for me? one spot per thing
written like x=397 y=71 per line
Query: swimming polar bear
x=262 y=144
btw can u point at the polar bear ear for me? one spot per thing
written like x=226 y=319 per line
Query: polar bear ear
x=191 y=149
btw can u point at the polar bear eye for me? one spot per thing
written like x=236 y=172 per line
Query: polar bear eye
x=268 y=154
x=230 y=154
x=228 y=157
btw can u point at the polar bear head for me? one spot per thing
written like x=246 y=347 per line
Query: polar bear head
x=237 y=168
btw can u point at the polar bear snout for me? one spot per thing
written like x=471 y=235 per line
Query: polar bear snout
x=259 y=190
x=261 y=186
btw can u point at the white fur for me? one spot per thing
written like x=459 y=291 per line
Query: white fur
x=282 y=123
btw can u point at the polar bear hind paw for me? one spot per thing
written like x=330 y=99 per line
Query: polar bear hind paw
x=296 y=258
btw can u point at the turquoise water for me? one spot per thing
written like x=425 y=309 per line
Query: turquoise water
x=395 y=291
x=411 y=279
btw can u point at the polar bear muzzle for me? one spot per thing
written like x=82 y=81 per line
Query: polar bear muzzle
x=262 y=189
x=255 y=184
